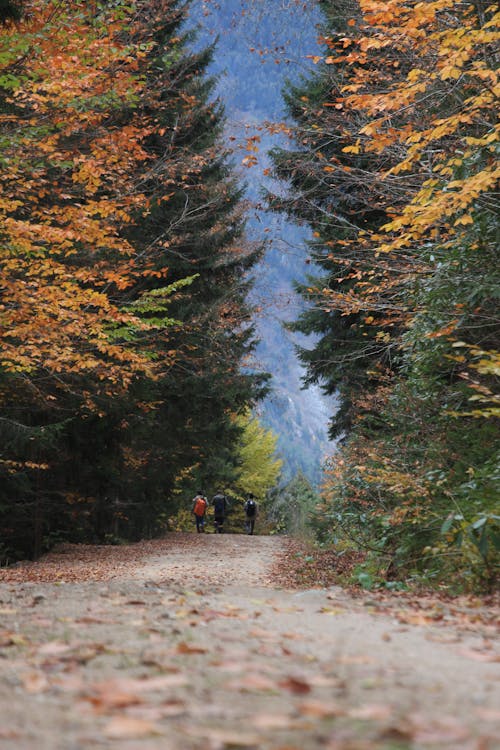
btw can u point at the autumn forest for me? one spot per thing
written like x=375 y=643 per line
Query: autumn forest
x=127 y=374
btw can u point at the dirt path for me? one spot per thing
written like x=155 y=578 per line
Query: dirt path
x=186 y=644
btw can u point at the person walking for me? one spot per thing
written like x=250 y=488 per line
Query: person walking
x=219 y=501
x=199 y=508
x=251 y=511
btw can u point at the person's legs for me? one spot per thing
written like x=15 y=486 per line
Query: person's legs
x=252 y=524
x=219 y=522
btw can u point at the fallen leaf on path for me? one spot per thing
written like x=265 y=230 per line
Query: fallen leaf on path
x=54 y=648
x=128 y=686
x=68 y=682
x=94 y=620
x=480 y=655
x=320 y=709
x=221 y=739
x=10 y=734
x=261 y=633
x=166 y=710
x=12 y=639
x=373 y=712
x=272 y=721
x=442 y=637
x=322 y=680
x=288 y=610
x=187 y=648
x=413 y=618
x=362 y=659
x=35 y=682
x=104 y=700
x=488 y=714
x=252 y=682
x=125 y=727
x=295 y=685
x=446 y=730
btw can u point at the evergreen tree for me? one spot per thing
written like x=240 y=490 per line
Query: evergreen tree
x=395 y=171
x=10 y=10
x=339 y=193
x=116 y=382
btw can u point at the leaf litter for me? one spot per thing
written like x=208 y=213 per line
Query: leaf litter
x=135 y=652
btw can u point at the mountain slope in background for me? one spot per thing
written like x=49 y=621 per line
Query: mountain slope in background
x=260 y=45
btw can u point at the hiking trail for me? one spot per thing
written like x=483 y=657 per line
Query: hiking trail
x=191 y=643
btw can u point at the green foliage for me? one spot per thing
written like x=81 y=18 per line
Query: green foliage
x=84 y=460
x=404 y=314
x=259 y=469
x=291 y=506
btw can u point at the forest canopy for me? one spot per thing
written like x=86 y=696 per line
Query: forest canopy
x=124 y=275
x=395 y=170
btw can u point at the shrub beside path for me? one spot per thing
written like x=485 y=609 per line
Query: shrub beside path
x=193 y=642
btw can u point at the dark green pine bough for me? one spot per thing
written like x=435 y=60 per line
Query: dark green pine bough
x=120 y=474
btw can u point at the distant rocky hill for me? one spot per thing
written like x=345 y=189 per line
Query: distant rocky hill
x=261 y=44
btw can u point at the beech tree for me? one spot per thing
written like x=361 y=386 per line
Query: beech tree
x=115 y=196
x=411 y=279
x=260 y=467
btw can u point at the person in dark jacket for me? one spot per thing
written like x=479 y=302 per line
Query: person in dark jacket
x=251 y=510
x=219 y=501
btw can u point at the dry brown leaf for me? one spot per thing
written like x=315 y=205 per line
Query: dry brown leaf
x=35 y=682
x=413 y=618
x=331 y=611
x=252 y=682
x=446 y=730
x=68 y=682
x=54 y=648
x=272 y=721
x=187 y=648
x=110 y=699
x=261 y=633
x=226 y=739
x=295 y=685
x=129 y=688
x=480 y=655
x=320 y=709
x=126 y=727
x=10 y=734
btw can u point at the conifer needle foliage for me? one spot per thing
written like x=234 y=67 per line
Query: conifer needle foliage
x=396 y=172
x=123 y=321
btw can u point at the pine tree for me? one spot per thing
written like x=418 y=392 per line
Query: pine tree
x=338 y=192
x=116 y=382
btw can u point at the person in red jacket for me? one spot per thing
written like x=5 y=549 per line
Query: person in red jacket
x=199 y=509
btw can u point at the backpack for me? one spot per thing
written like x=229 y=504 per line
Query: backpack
x=250 y=507
x=200 y=506
x=219 y=503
